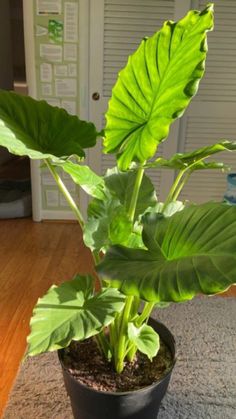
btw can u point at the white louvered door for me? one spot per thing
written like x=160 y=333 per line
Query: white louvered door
x=212 y=114
x=117 y=27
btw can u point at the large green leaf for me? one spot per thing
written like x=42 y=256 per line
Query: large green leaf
x=88 y=180
x=121 y=185
x=71 y=311
x=189 y=253
x=195 y=159
x=36 y=129
x=156 y=86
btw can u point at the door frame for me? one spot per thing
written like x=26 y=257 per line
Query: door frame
x=28 y=21
x=38 y=214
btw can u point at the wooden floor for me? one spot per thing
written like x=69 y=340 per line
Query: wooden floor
x=32 y=257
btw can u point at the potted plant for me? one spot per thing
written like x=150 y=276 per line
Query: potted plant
x=147 y=253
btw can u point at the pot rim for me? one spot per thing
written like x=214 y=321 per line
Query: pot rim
x=124 y=393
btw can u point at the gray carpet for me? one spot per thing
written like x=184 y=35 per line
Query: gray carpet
x=203 y=384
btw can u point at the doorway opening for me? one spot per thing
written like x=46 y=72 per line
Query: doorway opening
x=15 y=182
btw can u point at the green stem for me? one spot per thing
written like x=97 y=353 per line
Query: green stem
x=66 y=193
x=134 y=198
x=177 y=186
x=148 y=307
x=103 y=345
x=121 y=323
x=173 y=189
x=71 y=203
x=180 y=187
x=131 y=351
x=96 y=257
x=113 y=337
x=121 y=346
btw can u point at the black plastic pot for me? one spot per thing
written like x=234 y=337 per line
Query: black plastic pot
x=139 y=404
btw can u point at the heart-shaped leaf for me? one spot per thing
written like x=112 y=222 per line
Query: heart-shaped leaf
x=71 y=311
x=145 y=339
x=189 y=253
x=155 y=87
x=34 y=128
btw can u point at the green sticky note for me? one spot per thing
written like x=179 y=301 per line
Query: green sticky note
x=55 y=31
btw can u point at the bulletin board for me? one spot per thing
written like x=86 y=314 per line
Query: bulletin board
x=56 y=61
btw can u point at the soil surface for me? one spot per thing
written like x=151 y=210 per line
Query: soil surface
x=84 y=361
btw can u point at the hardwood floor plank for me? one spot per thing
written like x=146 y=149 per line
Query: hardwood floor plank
x=32 y=257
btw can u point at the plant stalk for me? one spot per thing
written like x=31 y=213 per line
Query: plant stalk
x=181 y=185
x=173 y=188
x=121 y=346
x=131 y=303
x=144 y=316
x=66 y=193
x=103 y=345
x=134 y=198
x=71 y=203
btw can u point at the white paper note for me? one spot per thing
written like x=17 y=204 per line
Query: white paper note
x=48 y=7
x=41 y=30
x=51 y=52
x=70 y=52
x=46 y=89
x=66 y=87
x=60 y=70
x=72 y=70
x=46 y=72
x=71 y=22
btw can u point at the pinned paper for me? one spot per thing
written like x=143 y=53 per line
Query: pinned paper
x=66 y=87
x=55 y=31
x=70 y=52
x=51 y=52
x=46 y=72
x=60 y=70
x=72 y=70
x=46 y=89
x=49 y=7
x=41 y=30
x=71 y=22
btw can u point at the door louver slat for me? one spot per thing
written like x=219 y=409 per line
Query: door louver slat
x=211 y=184
x=219 y=82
